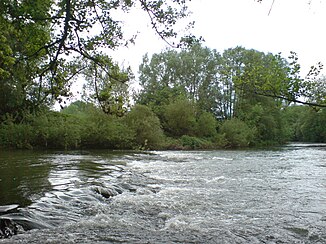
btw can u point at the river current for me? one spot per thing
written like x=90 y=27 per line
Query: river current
x=225 y=196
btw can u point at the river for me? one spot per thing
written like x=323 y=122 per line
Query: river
x=224 y=196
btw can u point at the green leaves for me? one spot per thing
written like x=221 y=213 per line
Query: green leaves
x=164 y=15
x=6 y=59
x=146 y=126
x=237 y=133
x=53 y=41
x=107 y=86
x=190 y=73
x=180 y=118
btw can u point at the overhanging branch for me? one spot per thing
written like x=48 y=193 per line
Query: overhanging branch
x=313 y=104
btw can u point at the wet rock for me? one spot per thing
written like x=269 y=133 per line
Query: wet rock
x=299 y=231
x=7 y=228
x=106 y=192
x=8 y=208
x=25 y=223
x=128 y=187
x=114 y=190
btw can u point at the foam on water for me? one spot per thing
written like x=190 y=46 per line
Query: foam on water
x=249 y=196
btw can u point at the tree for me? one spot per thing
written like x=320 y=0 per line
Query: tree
x=111 y=95
x=240 y=83
x=159 y=81
x=246 y=73
x=252 y=72
x=315 y=88
x=230 y=66
x=280 y=79
x=21 y=62
x=255 y=87
x=50 y=43
x=206 y=125
x=312 y=125
x=190 y=73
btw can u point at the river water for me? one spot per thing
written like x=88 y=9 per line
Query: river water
x=226 y=196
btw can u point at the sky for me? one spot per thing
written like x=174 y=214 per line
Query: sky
x=279 y=26
x=290 y=25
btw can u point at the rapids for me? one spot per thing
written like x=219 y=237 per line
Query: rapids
x=225 y=196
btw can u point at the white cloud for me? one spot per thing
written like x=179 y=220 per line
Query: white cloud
x=293 y=25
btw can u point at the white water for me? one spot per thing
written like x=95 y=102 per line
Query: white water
x=252 y=196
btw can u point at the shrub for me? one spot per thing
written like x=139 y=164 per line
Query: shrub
x=206 y=125
x=179 y=118
x=146 y=126
x=237 y=133
x=191 y=142
x=57 y=130
x=104 y=131
x=19 y=136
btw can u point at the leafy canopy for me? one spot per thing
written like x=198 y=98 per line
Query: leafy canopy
x=46 y=44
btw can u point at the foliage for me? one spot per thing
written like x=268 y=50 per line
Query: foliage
x=237 y=133
x=252 y=86
x=293 y=117
x=16 y=135
x=71 y=129
x=103 y=131
x=146 y=126
x=190 y=72
x=312 y=126
x=264 y=115
x=219 y=83
x=20 y=58
x=99 y=130
x=180 y=118
x=246 y=73
x=110 y=93
x=315 y=88
x=56 y=130
x=45 y=45
x=79 y=108
x=206 y=125
x=190 y=142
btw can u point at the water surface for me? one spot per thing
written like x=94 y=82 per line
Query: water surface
x=246 y=196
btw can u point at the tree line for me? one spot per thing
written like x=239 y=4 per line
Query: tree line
x=194 y=98
x=241 y=97
x=191 y=97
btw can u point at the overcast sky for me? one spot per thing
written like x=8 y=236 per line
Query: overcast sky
x=292 y=25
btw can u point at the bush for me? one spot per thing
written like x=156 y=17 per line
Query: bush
x=19 y=136
x=206 y=125
x=57 y=130
x=220 y=141
x=313 y=126
x=237 y=133
x=190 y=142
x=146 y=126
x=179 y=118
x=100 y=130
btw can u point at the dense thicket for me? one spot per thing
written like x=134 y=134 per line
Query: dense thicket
x=82 y=125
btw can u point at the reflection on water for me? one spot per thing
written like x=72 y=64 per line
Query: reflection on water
x=248 y=196
x=23 y=177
